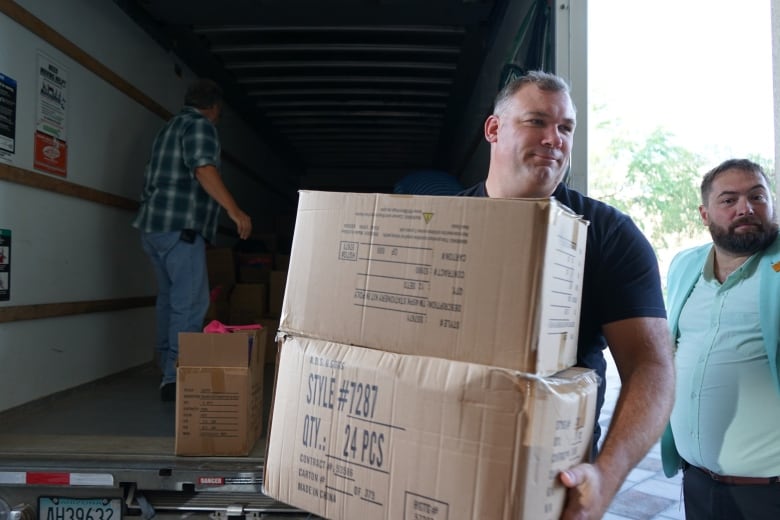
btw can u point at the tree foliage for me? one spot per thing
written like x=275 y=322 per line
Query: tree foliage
x=659 y=187
x=653 y=179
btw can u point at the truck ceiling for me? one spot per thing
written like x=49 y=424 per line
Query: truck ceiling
x=373 y=88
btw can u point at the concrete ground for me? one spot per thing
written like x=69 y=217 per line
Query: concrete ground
x=646 y=494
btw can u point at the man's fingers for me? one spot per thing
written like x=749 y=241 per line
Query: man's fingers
x=244 y=227
x=567 y=478
x=573 y=477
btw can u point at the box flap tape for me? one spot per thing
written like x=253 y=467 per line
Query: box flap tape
x=362 y=433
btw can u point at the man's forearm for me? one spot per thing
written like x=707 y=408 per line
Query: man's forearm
x=641 y=414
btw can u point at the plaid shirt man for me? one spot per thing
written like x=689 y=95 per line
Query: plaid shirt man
x=172 y=198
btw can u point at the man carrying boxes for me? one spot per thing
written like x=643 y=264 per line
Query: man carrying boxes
x=505 y=294
x=530 y=134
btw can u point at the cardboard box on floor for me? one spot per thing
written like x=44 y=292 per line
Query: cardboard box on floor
x=219 y=393
x=481 y=280
x=361 y=433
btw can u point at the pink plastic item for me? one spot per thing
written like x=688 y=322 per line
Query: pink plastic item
x=217 y=327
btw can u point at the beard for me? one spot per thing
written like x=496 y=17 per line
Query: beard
x=748 y=242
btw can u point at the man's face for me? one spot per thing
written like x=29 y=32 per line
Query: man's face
x=531 y=138
x=740 y=213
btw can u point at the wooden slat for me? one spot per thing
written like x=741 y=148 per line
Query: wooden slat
x=45 y=182
x=56 y=310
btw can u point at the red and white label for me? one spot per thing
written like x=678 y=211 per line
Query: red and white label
x=52 y=478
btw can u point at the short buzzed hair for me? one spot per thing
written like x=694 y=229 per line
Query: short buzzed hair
x=730 y=164
x=546 y=81
x=203 y=93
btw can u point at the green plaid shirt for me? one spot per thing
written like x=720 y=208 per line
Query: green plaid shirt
x=172 y=198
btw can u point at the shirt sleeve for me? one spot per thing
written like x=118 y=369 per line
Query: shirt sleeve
x=200 y=144
x=629 y=275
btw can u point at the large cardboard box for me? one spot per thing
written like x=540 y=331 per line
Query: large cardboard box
x=361 y=433
x=219 y=393
x=488 y=281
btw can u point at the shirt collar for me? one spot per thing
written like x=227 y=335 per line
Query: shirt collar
x=747 y=267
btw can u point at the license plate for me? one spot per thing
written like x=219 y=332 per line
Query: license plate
x=64 y=508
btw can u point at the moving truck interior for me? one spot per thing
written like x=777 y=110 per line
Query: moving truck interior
x=337 y=95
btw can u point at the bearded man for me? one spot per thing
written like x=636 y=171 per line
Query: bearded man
x=724 y=315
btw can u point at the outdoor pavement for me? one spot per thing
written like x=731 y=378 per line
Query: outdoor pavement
x=646 y=494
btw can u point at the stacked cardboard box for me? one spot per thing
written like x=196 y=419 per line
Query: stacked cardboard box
x=248 y=303
x=221 y=269
x=362 y=433
x=219 y=402
x=247 y=283
x=481 y=280
x=459 y=407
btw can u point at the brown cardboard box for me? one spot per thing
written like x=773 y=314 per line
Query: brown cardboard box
x=254 y=267
x=248 y=303
x=361 y=433
x=219 y=393
x=281 y=261
x=488 y=281
x=221 y=266
x=270 y=327
x=277 y=282
x=219 y=304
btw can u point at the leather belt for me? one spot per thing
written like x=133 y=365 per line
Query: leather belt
x=734 y=481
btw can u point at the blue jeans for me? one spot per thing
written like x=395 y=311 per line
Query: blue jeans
x=182 y=292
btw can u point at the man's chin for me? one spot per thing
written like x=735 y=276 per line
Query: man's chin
x=748 y=242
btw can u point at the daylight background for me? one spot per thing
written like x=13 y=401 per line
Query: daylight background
x=675 y=87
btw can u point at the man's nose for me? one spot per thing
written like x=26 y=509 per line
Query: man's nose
x=745 y=207
x=552 y=138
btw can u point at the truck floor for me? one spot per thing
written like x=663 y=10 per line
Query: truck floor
x=119 y=426
x=121 y=415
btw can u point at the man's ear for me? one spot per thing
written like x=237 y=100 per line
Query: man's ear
x=212 y=113
x=491 y=128
x=703 y=214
